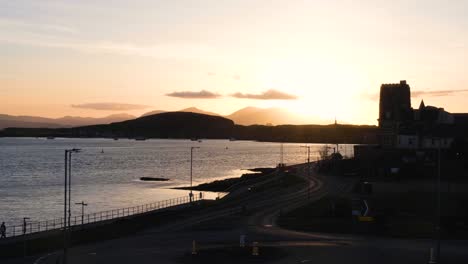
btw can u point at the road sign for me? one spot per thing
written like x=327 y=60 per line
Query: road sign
x=359 y=207
x=365 y=209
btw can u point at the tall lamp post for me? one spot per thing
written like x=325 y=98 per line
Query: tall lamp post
x=191 y=170
x=83 y=204
x=437 y=182
x=308 y=168
x=67 y=198
x=438 y=203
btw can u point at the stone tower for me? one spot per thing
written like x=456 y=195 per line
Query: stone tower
x=394 y=111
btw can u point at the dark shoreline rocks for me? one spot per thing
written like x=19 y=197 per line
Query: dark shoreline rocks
x=223 y=185
x=263 y=170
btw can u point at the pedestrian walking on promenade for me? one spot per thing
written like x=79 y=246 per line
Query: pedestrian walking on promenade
x=3 y=230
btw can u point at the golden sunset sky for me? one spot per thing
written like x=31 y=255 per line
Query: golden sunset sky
x=323 y=59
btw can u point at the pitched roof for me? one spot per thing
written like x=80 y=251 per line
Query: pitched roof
x=422 y=105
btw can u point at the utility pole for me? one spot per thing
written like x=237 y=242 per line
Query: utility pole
x=308 y=159
x=191 y=171
x=281 y=154
x=83 y=204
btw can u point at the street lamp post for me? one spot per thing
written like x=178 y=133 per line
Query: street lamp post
x=438 y=203
x=83 y=204
x=69 y=187
x=437 y=182
x=65 y=210
x=191 y=171
x=67 y=198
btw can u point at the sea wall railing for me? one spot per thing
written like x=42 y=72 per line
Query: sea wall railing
x=32 y=227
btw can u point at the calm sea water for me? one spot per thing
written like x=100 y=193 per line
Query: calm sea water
x=32 y=171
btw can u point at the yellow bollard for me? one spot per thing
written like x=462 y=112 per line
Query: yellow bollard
x=194 y=247
x=255 y=249
x=242 y=241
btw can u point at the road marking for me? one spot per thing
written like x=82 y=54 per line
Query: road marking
x=39 y=260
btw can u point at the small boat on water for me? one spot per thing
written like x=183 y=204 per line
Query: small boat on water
x=140 y=138
x=153 y=179
x=116 y=138
x=50 y=137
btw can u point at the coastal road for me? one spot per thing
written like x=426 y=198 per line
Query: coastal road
x=218 y=229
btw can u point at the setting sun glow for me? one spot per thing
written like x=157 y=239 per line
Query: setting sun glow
x=323 y=61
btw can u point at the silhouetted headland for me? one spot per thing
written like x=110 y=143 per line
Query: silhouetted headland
x=187 y=125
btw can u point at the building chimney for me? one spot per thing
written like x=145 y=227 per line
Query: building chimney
x=403 y=82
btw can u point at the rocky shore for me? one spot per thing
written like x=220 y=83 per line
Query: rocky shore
x=224 y=185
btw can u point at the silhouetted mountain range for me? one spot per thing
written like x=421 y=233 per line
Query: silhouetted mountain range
x=190 y=110
x=254 y=116
x=267 y=116
x=194 y=125
x=244 y=116
x=66 y=121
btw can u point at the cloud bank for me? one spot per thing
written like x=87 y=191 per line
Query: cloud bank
x=203 y=94
x=267 y=95
x=419 y=94
x=437 y=93
x=110 y=106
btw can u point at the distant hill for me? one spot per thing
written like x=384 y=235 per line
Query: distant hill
x=154 y=112
x=253 y=116
x=263 y=116
x=66 y=121
x=74 y=121
x=4 y=123
x=198 y=111
x=163 y=125
x=190 y=110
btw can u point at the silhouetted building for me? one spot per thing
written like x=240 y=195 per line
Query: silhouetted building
x=401 y=126
x=395 y=112
x=407 y=137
